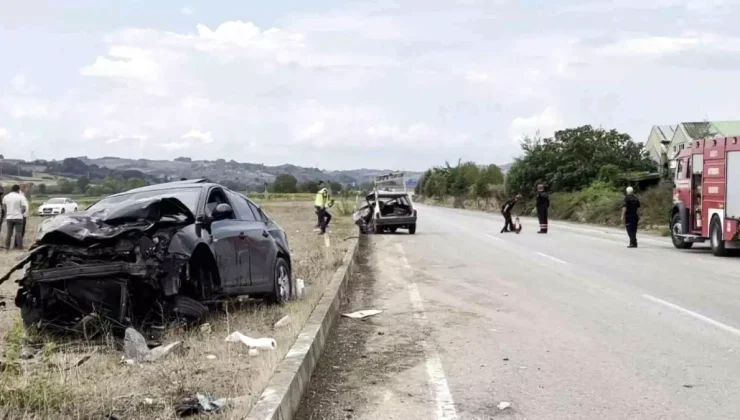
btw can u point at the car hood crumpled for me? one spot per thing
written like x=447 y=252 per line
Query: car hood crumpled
x=111 y=222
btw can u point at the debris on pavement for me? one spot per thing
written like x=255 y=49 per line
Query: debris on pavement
x=282 y=322
x=503 y=405
x=200 y=404
x=363 y=314
x=211 y=357
x=135 y=348
x=253 y=343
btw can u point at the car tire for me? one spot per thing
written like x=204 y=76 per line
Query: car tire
x=715 y=238
x=188 y=309
x=678 y=242
x=412 y=229
x=282 y=281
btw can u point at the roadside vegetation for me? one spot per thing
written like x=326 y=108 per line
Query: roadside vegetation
x=47 y=377
x=585 y=170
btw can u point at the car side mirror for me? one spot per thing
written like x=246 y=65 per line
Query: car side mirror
x=221 y=212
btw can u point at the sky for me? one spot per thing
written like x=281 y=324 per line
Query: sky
x=399 y=84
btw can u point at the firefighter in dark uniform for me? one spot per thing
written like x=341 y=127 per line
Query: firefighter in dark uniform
x=506 y=211
x=543 y=205
x=631 y=216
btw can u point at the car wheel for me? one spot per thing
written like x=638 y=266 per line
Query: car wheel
x=412 y=229
x=715 y=238
x=188 y=309
x=282 y=282
x=676 y=229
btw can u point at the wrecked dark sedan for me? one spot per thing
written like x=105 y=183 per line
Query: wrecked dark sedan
x=150 y=254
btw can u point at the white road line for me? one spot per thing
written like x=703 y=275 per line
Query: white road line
x=700 y=317
x=437 y=379
x=495 y=238
x=551 y=257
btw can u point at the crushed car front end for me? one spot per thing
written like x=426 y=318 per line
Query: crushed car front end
x=121 y=268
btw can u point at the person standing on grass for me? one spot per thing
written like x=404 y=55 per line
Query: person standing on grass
x=320 y=203
x=631 y=215
x=506 y=211
x=2 y=212
x=26 y=194
x=543 y=205
x=15 y=206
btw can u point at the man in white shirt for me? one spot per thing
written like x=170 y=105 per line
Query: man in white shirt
x=16 y=207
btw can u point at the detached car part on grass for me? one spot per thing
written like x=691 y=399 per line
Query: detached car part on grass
x=148 y=261
x=386 y=211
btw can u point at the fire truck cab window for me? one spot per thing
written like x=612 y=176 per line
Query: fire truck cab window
x=679 y=169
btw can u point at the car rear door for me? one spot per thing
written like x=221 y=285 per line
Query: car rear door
x=248 y=229
x=262 y=248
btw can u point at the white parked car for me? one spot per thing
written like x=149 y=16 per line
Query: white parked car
x=58 y=205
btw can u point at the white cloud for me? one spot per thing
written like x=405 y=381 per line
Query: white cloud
x=187 y=11
x=20 y=84
x=312 y=131
x=172 y=146
x=90 y=133
x=543 y=124
x=127 y=63
x=205 y=138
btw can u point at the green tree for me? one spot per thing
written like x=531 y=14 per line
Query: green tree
x=42 y=188
x=335 y=187
x=132 y=183
x=308 y=187
x=285 y=183
x=572 y=158
x=82 y=184
x=65 y=187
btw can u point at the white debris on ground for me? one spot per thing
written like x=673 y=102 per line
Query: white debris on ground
x=363 y=314
x=283 y=322
x=253 y=343
x=136 y=350
x=503 y=405
x=300 y=288
x=254 y=352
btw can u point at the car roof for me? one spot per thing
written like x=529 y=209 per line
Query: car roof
x=388 y=194
x=202 y=183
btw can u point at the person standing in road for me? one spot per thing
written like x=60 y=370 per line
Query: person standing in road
x=543 y=205
x=2 y=212
x=320 y=203
x=506 y=211
x=631 y=216
x=15 y=206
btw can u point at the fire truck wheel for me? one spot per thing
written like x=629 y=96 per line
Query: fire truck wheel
x=678 y=241
x=715 y=238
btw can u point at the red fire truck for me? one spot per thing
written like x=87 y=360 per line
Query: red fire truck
x=706 y=199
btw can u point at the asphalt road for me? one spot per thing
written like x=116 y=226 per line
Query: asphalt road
x=569 y=325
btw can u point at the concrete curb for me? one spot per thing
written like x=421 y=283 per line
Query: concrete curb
x=284 y=391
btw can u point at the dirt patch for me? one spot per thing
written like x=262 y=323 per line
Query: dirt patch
x=357 y=357
x=89 y=380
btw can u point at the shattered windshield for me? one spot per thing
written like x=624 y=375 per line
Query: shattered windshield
x=188 y=196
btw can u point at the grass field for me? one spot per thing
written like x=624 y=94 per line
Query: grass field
x=52 y=384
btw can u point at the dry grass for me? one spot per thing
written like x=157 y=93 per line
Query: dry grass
x=51 y=385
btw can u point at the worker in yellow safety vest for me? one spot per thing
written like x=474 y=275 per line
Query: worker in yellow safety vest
x=321 y=204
